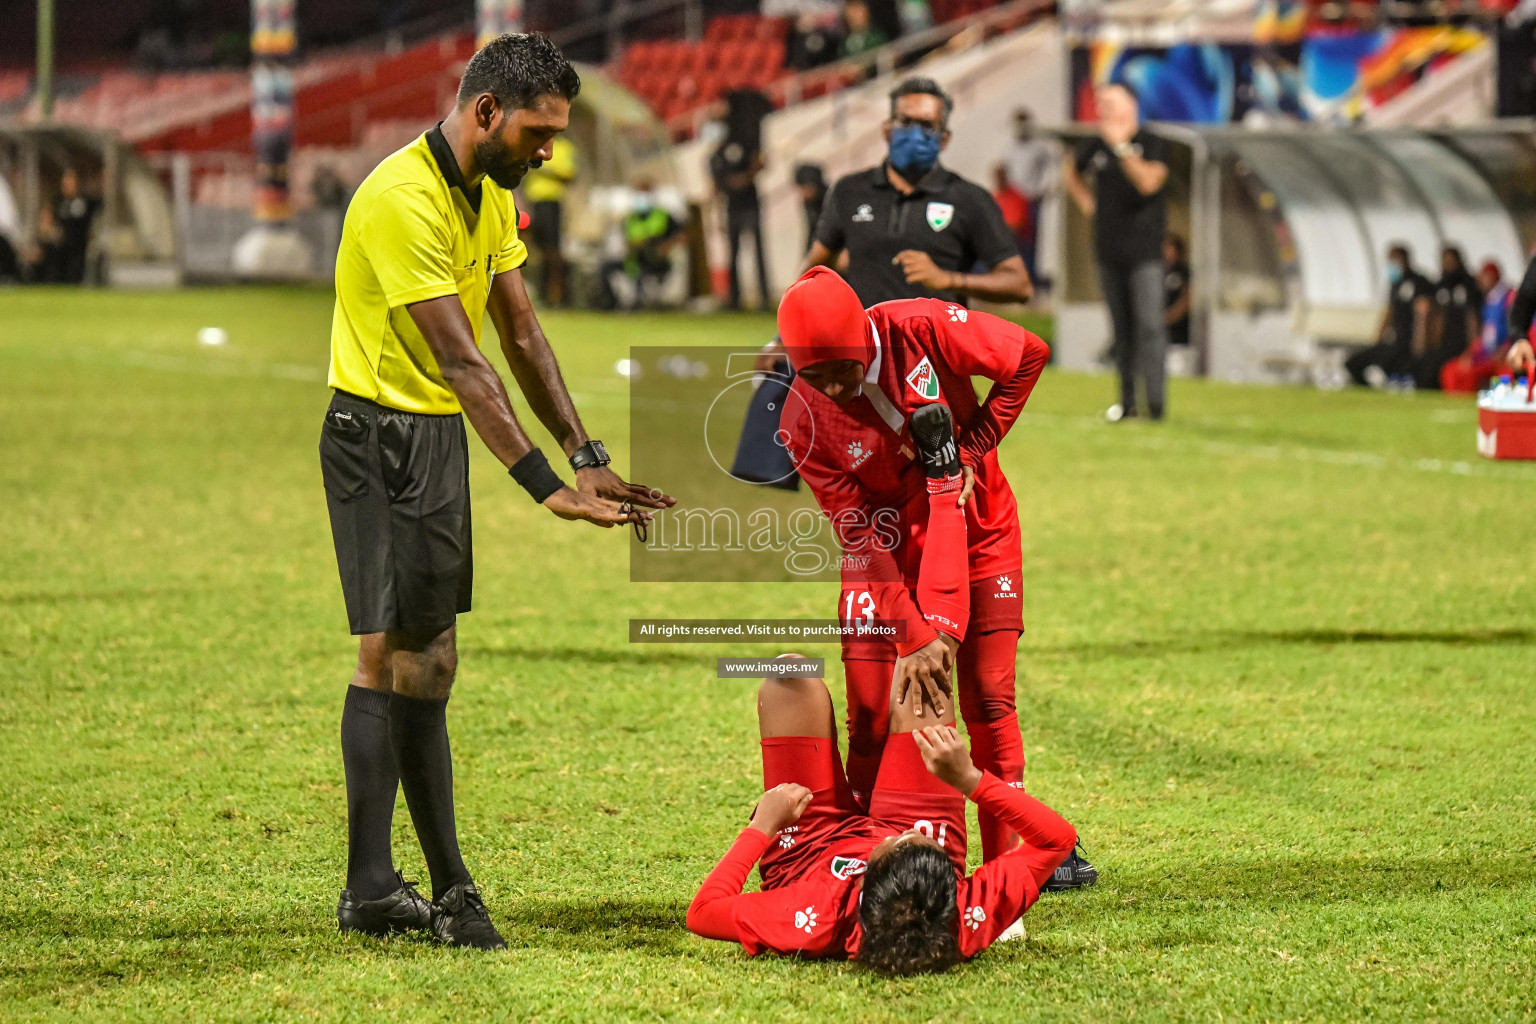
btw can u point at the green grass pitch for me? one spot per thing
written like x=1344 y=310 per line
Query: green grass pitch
x=1279 y=671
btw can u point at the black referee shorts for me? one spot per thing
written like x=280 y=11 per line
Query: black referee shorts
x=397 y=485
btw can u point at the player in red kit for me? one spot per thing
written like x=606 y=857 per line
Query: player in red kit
x=861 y=376
x=888 y=888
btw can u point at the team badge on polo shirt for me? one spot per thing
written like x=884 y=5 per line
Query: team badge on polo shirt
x=940 y=214
x=924 y=381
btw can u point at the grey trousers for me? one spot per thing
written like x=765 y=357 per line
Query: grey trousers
x=1134 y=295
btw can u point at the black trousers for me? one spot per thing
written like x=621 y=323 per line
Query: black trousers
x=740 y=220
x=1134 y=295
x=1394 y=360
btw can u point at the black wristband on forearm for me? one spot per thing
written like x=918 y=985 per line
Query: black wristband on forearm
x=533 y=473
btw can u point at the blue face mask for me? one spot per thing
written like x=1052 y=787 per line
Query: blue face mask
x=914 y=151
x=1394 y=273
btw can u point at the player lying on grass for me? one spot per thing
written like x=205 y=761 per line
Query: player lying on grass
x=887 y=889
x=863 y=375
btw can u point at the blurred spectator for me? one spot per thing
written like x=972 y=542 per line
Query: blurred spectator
x=812 y=186
x=812 y=43
x=1522 y=310
x=734 y=166
x=861 y=35
x=73 y=214
x=43 y=262
x=328 y=190
x=915 y=15
x=1404 y=326
x=1469 y=371
x=330 y=197
x=10 y=234
x=544 y=188
x=1128 y=167
x=1458 y=308
x=1176 y=289
x=1033 y=162
x=1012 y=204
x=650 y=235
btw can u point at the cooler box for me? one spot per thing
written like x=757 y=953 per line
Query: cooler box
x=1506 y=424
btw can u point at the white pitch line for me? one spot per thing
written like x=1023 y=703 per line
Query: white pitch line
x=1295 y=453
x=248 y=369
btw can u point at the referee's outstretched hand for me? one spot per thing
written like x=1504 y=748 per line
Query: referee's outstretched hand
x=569 y=504
x=605 y=483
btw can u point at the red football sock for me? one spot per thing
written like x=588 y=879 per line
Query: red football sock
x=869 y=699
x=998 y=748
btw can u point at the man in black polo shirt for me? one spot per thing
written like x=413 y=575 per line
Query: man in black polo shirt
x=913 y=229
x=1127 y=167
x=1404 y=325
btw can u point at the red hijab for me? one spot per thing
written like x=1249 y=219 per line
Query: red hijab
x=821 y=319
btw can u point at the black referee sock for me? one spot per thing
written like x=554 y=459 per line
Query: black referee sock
x=419 y=729
x=372 y=780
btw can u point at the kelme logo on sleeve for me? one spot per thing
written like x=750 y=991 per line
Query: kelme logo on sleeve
x=844 y=868
x=924 y=381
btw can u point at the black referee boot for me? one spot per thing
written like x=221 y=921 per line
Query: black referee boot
x=459 y=918
x=1074 y=873
x=404 y=910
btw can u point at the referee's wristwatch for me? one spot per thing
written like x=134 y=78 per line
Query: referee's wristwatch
x=590 y=454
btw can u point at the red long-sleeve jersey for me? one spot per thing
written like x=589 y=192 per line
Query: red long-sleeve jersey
x=816 y=914
x=859 y=459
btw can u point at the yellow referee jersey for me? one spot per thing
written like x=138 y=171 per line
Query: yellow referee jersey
x=412 y=233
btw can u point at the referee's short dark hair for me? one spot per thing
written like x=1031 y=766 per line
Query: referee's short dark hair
x=922 y=87
x=517 y=69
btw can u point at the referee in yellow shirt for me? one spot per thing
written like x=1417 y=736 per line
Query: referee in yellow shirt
x=429 y=245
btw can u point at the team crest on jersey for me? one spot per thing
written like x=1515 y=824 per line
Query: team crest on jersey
x=940 y=214
x=864 y=214
x=844 y=868
x=805 y=920
x=924 y=381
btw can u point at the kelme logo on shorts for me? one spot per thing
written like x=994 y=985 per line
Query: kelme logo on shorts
x=845 y=868
x=924 y=381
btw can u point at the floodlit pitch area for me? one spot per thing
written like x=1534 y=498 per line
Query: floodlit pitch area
x=1278 y=672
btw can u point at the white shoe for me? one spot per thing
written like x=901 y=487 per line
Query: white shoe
x=1013 y=933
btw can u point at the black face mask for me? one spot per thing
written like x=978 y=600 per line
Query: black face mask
x=495 y=158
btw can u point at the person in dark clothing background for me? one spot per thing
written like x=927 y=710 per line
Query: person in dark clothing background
x=1404 y=326
x=1176 y=289
x=1522 y=311
x=1457 y=315
x=734 y=166
x=812 y=43
x=1128 y=167
x=73 y=214
x=812 y=186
